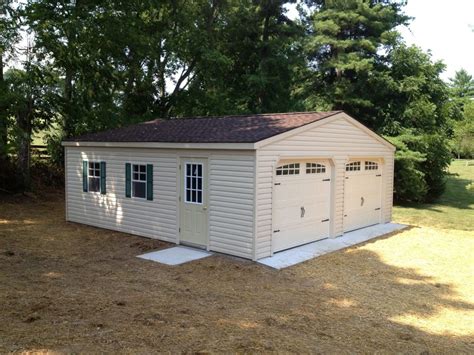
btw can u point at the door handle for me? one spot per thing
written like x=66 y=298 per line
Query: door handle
x=362 y=201
x=303 y=211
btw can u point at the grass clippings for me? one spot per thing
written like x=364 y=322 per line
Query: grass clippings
x=71 y=288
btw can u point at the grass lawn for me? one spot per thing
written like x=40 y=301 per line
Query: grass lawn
x=455 y=208
x=66 y=287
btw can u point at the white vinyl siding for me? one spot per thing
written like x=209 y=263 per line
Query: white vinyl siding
x=387 y=193
x=230 y=189
x=154 y=219
x=337 y=139
x=231 y=204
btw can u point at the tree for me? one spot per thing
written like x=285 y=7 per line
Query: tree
x=253 y=52
x=462 y=85
x=463 y=137
x=30 y=93
x=347 y=45
x=122 y=61
x=359 y=64
x=415 y=107
x=9 y=36
x=462 y=96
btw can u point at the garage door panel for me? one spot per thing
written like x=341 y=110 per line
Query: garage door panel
x=362 y=198
x=300 y=205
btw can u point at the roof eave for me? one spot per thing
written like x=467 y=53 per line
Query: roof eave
x=162 y=145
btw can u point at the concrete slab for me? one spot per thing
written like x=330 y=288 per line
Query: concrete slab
x=309 y=251
x=175 y=255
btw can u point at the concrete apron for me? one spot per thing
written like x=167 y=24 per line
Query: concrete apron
x=309 y=251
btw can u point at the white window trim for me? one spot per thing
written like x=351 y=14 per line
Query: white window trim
x=186 y=183
x=93 y=177
x=132 y=180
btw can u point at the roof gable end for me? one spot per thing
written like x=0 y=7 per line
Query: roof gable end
x=339 y=115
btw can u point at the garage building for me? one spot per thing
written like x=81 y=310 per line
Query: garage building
x=249 y=185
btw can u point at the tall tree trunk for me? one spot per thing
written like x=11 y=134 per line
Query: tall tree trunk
x=3 y=117
x=24 y=148
x=68 y=109
x=262 y=95
x=1 y=67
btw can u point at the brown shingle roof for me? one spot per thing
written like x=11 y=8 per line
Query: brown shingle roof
x=221 y=129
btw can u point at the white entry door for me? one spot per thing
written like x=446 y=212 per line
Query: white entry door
x=362 y=194
x=301 y=203
x=193 y=204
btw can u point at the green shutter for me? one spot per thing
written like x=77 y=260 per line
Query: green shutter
x=149 y=182
x=103 y=176
x=85 y=171
x=128 y=180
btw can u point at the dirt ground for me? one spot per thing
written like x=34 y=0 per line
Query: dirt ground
x=66 y=287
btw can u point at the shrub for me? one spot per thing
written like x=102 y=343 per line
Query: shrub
x=420 y=166
x=9 y=182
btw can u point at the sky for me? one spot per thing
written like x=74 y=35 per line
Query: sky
x=446 y=28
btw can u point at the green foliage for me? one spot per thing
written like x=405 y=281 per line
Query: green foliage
x=346 y=46
x=125 y=62
x=420 y=166
x=462 y=95
x=409 y=181
x=103 y=64
x=255 y=52
x=462 y=85
x=9 y=36
x=359 y=64
x=28 y=99
x=463 y=133
x=438 y=157
x=55 y=149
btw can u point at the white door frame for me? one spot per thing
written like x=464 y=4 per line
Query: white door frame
x=182 y=160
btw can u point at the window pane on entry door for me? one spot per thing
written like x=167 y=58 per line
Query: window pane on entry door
x=193 y=183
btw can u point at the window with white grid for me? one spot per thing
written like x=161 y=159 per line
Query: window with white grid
x=139 y=181
x=354 y=166
x=289 y=169
x=94 y=176
x=193 y=176
x=371 y=165
x=315 y=168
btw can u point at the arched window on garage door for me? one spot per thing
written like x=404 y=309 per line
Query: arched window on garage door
x=354 y=166
x=288 y=169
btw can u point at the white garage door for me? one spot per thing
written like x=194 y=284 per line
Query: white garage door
x=362 y=194
x=301 y=203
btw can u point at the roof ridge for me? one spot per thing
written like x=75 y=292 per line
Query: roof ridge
x=247 y=115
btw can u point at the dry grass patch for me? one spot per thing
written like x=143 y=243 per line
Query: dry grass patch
x=442 y=260
x=65 y=287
